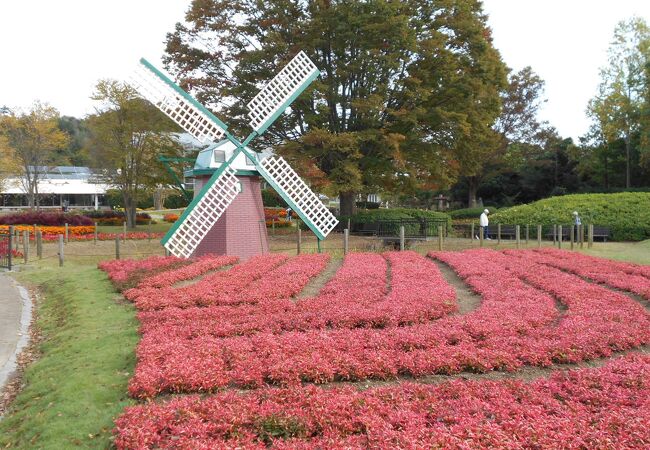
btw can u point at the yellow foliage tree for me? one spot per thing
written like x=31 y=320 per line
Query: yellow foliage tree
x=28 y=144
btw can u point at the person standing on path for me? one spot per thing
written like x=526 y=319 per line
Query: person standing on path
x=483 y=223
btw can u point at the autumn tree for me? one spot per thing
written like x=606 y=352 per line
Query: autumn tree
x=31 y=140
x=616 y=111
x=127 y=134
x=407 y=95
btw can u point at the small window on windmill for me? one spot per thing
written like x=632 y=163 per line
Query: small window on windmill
x=219 y=156
x=249 y=162
x=240 y=187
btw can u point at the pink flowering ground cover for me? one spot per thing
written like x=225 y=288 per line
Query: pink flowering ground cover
x=355 y=297
x=601 y=408
x=625 y=276
x=225 y=287
x=125 y=273
x=517 y=324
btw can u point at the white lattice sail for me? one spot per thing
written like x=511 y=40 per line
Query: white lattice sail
x=296 y=192
x=195 y=224
x=276 y=96
x=176 y=103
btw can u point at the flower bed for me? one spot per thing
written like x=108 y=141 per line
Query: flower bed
x=588 y=408
x=219 y=288
x=130 y=235
x=126 y=273
x=626 y=276
x=45 y=219
x=517 y=324
x=52 y=230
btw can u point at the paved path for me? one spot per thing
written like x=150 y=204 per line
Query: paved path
x=15 y=315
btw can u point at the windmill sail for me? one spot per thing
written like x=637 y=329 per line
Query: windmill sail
x=201 y=215
x=177 y=104
x=281 y=91
x=279 y=174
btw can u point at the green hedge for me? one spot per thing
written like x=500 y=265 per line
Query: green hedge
x=471 y=213
x=627 y=214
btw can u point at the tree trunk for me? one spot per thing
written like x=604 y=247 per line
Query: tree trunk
x=347 y=203
x=129 y=210
x=472 y=188
x=627 y=162
x=158 y=199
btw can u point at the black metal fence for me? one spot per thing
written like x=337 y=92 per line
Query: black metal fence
x=6 y=248
x=413 y=228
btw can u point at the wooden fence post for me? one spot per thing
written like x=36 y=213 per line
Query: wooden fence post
x=559 y=233
x=149 y=230
x=272 y=226
x=26 y=246
x=401 y=238
x=346 y=241
x=124 y=231
x=117 y=247
x=61 y=257
x=554 y=235
x=67 y=234
x=590 y=235
x=498 y=233
x=95 y=234
x=39 y=244
x=539 y=236
x=471 y=235
x=573 y=227
x=581 y=235
x=299 y=240
x=10 y=247
x=440 y=237
x=480 y=236
x=517 y=235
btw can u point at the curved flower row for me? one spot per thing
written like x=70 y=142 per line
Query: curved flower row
x=516 y=324
x=354 y=297
x=625 y=276
x=273 y=292
x=221 y=288
x=119 y=270
x=198 y=267
x=607 y=407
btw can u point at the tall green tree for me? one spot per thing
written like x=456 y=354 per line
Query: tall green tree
x=407 y=97
x=31 y=140
x=616 y=109
x=127 y=134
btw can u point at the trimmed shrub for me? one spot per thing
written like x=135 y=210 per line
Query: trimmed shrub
x=46 y=219
x=177 y=201
x=270 y=198
x=115 y=217
x=627 y=214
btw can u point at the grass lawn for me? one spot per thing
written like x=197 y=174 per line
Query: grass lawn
x=79 y=384
x=637 y=252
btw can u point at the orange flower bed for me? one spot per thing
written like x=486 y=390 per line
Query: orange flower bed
x=171 y=218
x=72 y=231
x=274 y=213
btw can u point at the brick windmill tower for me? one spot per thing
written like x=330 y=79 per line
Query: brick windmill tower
x=226 y=215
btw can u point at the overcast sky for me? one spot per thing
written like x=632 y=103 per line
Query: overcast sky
x=55 y=51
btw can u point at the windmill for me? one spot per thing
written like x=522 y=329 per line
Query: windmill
x=233 y=181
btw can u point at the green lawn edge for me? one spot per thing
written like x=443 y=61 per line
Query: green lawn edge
x=78 y=386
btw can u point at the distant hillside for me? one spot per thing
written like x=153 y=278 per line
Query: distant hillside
x=626 y=213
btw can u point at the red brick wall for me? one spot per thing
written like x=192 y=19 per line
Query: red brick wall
x=241 y=230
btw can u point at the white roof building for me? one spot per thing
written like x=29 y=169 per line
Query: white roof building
x=57 y=186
